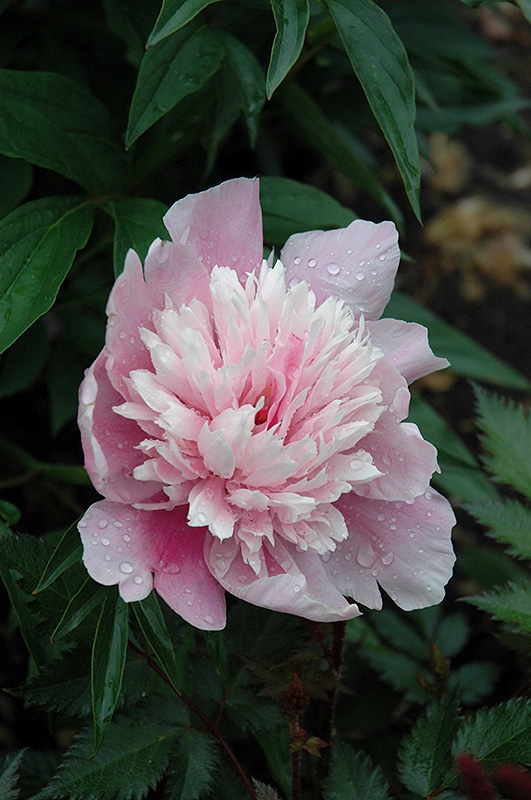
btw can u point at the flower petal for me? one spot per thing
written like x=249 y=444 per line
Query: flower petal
x=222 y=226
x=109 y=440
x=126 y=546
x=404 y=547
x=306 y=590
x=405 y=345
x=357 y=264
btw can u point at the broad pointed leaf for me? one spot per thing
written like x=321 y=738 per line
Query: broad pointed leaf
x=69 y=550
x=55 y=122
x=108 y=662
x=89 y=595
x=291 y=19
x=175 y=14
x=173 y=69
x=249 y=80
x=138 y=222
x=154 y=628
x=380 y=61
x=38 y=243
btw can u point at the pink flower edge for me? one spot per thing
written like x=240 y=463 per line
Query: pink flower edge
x=245 y=424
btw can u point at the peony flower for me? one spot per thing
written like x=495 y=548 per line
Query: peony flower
x=244 y=423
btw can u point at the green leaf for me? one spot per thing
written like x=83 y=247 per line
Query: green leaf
x=38 y=243
x=108 y=662
x=474 y=681
x=62 y=685
x=509 y=522
x=291 y=207
x=138 y=222
x=511 y=603
x=16 y=177
x=170 y=71
x=466 y=357
x=308 y=120
x=525 y=8
x=425 y=755
x=154 y=628
x=89 y=595
x=380 y=61
x=353 y=776
x=502 y=733
x=68 y=551
x=55 y=122
x=64 y=374
x=249 y=79
x=8 y=776
x=399 y=633
x=9 y=512
x=506 y=430
x=265 y=792
x=193 y=766
x=24 y=361
x=291 y=20
x=175 y=14
x=132 y=759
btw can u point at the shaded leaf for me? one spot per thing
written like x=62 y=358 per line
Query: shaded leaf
x=138 y=222
x=154 y=628
x=9 y=776
x=466 y=356
x=108 y=663
x=474 y=681
x=135 y=754
x=511 y=603
x=291 y=20
x=290 y=207
x=193 y=766
x=68 y=550
x=501 y=733
x=24 y=361
x=506 y=430
x=249 y=78
x=353 y=775
x=89 y=595
x=425 y=755
x=509 y=522
x=380 y=62
x=175 y=14
x=51 y=120
x=16 y=177
x=308 y=120
x=38 y=243
x=173 y=69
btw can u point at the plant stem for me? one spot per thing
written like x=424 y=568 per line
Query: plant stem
x=338 y=631
x=209 y=725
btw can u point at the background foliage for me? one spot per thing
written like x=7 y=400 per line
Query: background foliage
x=109 y=112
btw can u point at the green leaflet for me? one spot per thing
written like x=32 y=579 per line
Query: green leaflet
x=249 y=79
x=175 y=14
x=154 y=628
x=38 y=243
x=55 y=122
x=138 y=222
x=425 y=755
x=108 y=663
x=175 y=68
x=510 y=603
x=381 y=64
x=353 y=775
x=502 y=733
x=291 y=19
x=193 y=766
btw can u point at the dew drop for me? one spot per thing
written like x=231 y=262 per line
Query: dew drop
x=121 y=335
x=312 y=263
x=349 y=251
x=119 y=549
x=201 y=518
x=365 y=555
x=357 y=463
x=333 y=268
x=420 y=550
x=382 y=257
x=428 y=588
x=105 y=542
x=374 y=573
x=373 y=272
x=378 y=246
x=392 y=527
x=327 y=556
x=297 y=260
x=117 y=524
x=387 y=558
x=131 y=340
x=360 y=276
x=95 y=542
x=126 y=537
x=188 y=591
x=362 y=263
x=293 y=282
x=107 y=557
x=386 y=460
x=126 y=567
x=381 y=517
x=242 y=578
x=296 y=589
x=82 y=524
x=102 y=524
x=348 y=556
x=208 y=619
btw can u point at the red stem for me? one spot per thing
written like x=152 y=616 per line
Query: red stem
x=210 y=726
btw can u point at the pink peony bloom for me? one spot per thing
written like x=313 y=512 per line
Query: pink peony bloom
x=244 y=423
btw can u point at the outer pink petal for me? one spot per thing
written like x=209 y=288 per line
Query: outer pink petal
x=305 y=591
x=222 y=226
x=404 y=547
x=405 y=345
x=126 y=546
x=109 y=440
x=174 y=270
x=357 y=264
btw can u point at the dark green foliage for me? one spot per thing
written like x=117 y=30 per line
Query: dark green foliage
x=353 y=775
x=193 y=764
x=8 y=776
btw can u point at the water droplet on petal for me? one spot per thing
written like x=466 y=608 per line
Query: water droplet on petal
x=312 y=263
x=378 y=246
x=357 y=463
x=296 y=589
x=333 y=268
x=381 y=517
x=107 y=557
x=387 y=558
x=117 y=524
x=297 y=260
x=382 y=257
x=105 y=542
x=366 y=555
x=102 y=524
x=126 y=567
x=201 y=518
x=386 y=460
x=126 y=537
x=360 y=276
